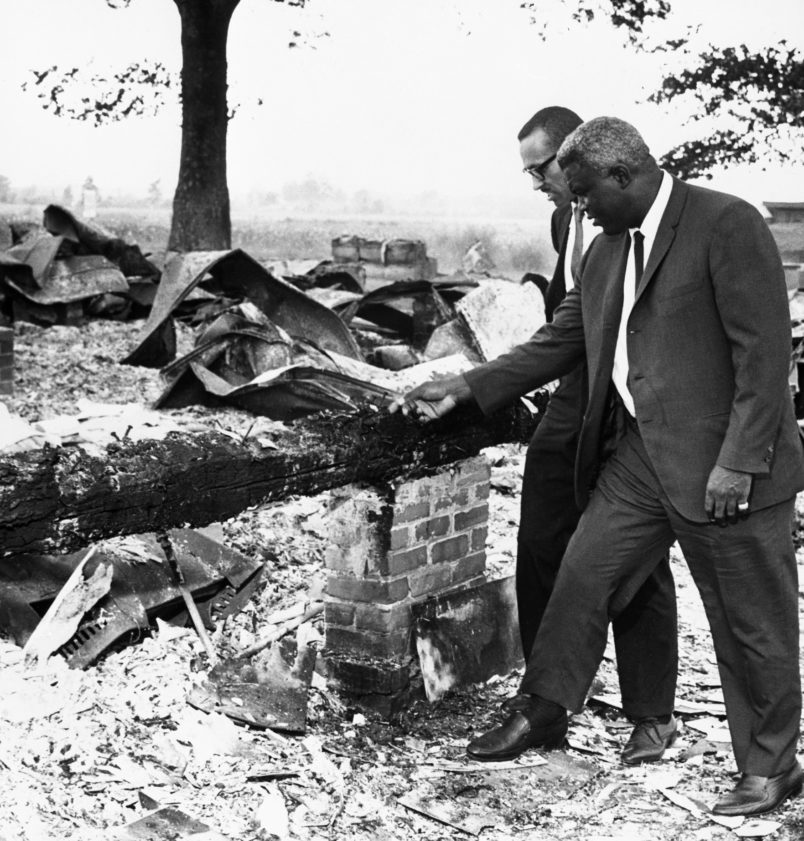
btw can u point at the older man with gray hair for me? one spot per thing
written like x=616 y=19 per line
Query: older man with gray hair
x=681 y=310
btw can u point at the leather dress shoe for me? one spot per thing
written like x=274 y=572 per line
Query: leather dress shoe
x=516 y=703
x=648 y=741
x=754 y=795
x=540 y=725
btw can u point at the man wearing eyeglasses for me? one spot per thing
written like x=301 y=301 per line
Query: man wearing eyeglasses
x=645 y=633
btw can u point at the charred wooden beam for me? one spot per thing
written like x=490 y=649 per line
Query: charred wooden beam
x=62 y=499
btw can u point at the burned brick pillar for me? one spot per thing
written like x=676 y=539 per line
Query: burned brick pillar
x=6 y=361
x=390 y=548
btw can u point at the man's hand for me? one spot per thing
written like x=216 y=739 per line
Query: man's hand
x=727 y=494
x=429 y=401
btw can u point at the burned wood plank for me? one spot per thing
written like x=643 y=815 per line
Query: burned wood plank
x=62 y=499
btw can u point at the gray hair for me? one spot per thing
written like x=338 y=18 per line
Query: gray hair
x=603 y=142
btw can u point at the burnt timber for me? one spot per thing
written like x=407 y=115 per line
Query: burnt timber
x=60 y=499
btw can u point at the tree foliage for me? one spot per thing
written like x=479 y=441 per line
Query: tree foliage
x=137 y=90
x=630 y=16
x=100 y=98
x=760 y=95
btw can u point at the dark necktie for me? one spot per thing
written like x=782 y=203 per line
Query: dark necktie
x=639 y=258
x=577 y=247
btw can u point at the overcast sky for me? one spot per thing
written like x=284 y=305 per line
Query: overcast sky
x=404 y=96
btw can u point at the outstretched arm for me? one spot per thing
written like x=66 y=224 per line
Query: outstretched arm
x=553 y=350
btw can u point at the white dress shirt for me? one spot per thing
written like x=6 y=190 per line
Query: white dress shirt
x=589 y=233
x=648 y=228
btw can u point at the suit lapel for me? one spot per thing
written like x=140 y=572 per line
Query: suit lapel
x=558 y=287
x=665 y=234
x=602 y=321
x=613 y=299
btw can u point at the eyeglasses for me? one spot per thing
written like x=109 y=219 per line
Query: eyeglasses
x=537 y=170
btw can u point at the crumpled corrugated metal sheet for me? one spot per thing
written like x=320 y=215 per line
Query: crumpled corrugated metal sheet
x=244 y=359
x=235 y=275
x=91 y=239
x=75 y=279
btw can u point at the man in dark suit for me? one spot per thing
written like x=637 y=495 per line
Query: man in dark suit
x=645 y=633
x=682 y=314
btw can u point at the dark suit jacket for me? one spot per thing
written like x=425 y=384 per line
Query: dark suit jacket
x=559 y=427
x=709 y=349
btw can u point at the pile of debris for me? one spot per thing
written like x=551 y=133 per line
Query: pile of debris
x=66 y=269
x=283 y=340
x=328 y=339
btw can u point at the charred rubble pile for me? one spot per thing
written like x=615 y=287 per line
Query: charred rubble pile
x=67 y=269
x=281 y=341
x=288 y=340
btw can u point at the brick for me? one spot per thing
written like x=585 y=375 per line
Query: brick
x=434 y=527
x=476 y=471
x=399 y=537
x=7 y=388
x=422 y=489
x=7 y=346
x=413 y=511
x=398 y=563
x=454 y=500
x=479 y=537
x=7 y=374
x=360 y=677
x=473 y=517
x=429 y=580
x=367 y=589
x=367 y=644
x=359 y=531
x=339 y=613
x=450 y=549
x=469 y=566
x=482 y=491
x=385 y=620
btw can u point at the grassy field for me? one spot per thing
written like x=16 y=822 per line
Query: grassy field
x=515 y=245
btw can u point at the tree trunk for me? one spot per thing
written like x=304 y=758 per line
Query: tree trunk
x=201 y=219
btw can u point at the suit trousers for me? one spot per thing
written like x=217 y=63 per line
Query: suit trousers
x=645 y=632
x=746 y=576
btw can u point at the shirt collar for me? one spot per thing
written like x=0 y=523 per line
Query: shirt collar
x=650 y=224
